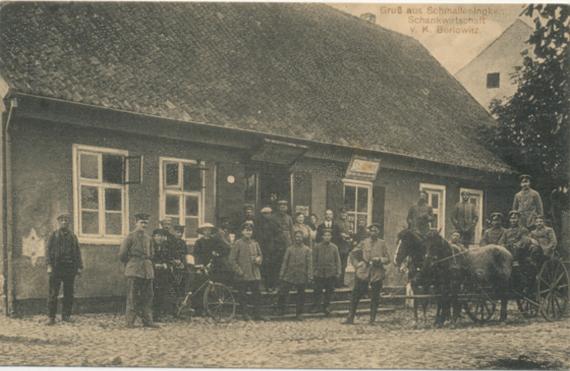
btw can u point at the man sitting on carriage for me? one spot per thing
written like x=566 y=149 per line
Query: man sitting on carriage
x=544 y=236
x=527 y=255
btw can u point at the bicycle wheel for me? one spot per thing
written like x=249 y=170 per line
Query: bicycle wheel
x=219 y=302
x=184 y=307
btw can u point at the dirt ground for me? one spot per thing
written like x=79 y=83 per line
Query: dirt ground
x=102 y=340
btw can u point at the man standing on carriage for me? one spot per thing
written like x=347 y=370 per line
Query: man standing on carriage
x=369 y=259
x=493 y=235
x=528 y=203
x=465 y=219
x=420 y=216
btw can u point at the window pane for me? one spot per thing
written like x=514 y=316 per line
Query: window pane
x=90 y=222
x=89 y=165
x=113 y=199
x=363 y=200
x=435 y=200
x=113 y=223
x=190 y=228
x=89 y=198
x=192 y=178
x=171 y=174
x=112 y=169
x=191 y=206
x=172 y=205
x=349 y=197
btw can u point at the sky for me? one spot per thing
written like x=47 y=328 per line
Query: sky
x=453 y=33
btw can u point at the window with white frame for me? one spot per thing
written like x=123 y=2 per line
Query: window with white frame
x=100 y=195
x=476 y=197
x=182 y=193
x=358 y=203
x=436 y=199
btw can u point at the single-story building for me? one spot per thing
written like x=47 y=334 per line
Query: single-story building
x=191 y=110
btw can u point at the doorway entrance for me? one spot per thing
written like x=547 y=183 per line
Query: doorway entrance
x=268 y=183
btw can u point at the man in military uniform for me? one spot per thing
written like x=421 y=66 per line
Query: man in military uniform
x=528 y=203
x=544 y=236
x=492 y=235
x=420 y=215
x=464 y=218
x=285 y=222
x=63 y=265
x=370 y=271
x=136 y=253
x=249 y=215
x=271 y=241
x=525 y=255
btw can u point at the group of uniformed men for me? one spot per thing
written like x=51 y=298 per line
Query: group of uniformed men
x=277 y=250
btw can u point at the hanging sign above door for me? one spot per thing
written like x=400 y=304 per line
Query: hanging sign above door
x=362 y=168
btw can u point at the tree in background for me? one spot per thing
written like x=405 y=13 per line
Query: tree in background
x=533 y=131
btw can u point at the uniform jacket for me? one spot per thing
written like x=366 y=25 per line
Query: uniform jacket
x=63 y=245
x=297 y=266
x=464 y=216
x=420 y=217
x=268 y=234
x=492 y=236
x=242 y=257
x=529 y=204
x=546 y=239
x=285 y=223
x=137 y=252
x=326 y=260
x=374 y=271
x=516 y=240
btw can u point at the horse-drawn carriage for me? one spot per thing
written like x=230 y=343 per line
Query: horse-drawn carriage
x=476 y=280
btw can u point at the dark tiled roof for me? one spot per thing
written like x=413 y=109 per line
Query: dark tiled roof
x=299 y=70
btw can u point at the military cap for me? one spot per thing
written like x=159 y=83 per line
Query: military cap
x=246 y=225
x=266 y=209
x=165 y=220
x=514 y=212
x=160 y=232
x=374 y=225
x=525 y=176
x=63 y=216
x=539 y=216
x=178 y=228
x=496 y=215
x=142 y=216
x=248 y=207
x=283 y=202
x=203 y=226
x=327 y=230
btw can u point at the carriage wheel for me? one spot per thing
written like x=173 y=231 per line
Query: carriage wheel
x=219 y=302
x=553 y=292
x=480 y=310
x=527 y=308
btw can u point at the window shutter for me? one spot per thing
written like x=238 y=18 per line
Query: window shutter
x=302 y=188
x=230 y=197
x=335 y=199
x=132 y=169
x=378 y=198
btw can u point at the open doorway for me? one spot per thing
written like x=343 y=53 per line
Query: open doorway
x=274 y=183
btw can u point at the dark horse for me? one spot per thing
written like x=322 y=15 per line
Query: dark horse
x=477 y=269
x=412 y=250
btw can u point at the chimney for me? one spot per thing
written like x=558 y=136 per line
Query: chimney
x=368 y=17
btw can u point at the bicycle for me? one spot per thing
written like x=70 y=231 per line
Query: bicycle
x=218 y=301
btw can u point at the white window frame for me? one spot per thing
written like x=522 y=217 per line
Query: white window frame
x=100 y=238
x=163 y=191
x=441 y=190
x=359 y=184
x=479 y=226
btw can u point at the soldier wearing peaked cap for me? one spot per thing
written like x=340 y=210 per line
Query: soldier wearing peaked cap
x=136 y=252
x=528 y=203
x=493 y=234
x=63 y=265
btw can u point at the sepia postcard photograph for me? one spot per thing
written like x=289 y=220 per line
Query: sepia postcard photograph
x=300 y=185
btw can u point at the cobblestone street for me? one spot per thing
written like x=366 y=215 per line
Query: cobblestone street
x=101 y=340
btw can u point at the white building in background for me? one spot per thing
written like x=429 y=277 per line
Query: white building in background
x=488 y=75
